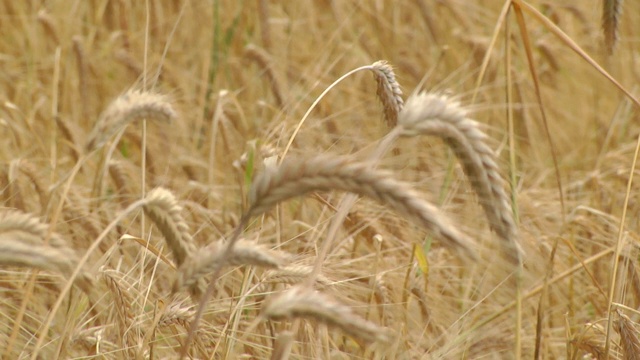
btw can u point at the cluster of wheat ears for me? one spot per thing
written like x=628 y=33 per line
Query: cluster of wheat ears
x=231 y=287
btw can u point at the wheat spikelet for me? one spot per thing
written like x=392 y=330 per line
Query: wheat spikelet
x=131 y=106
x=431 y=114
x=611 y=10
x=207 y=259
x=628 y=337
x=388 y=91
x=304 y=302
x=296 y=177
x=163 y=209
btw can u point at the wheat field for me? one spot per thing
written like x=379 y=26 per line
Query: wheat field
x=415 y=179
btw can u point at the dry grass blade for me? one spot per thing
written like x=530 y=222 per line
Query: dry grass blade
x=163 y=209
x=388 y=91
x=628 y=337
x=304 y=302
x=131 y=106
x=611 y=10
x=296 y=177
x=207 y=260
x=437 y=115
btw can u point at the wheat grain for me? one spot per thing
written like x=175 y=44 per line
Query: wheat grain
x=388 y=91
x=437 y=115
x=304 y=302
x=296 y=177
x=131 y=106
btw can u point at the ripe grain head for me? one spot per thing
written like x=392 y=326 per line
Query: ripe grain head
x=297 y=177
x=133 y=105
x=307 y=303
x=438 y=115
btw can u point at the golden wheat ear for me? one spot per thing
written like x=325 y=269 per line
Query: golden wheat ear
x=165 y=212
x=388 y=91
x=207 y=259
x=133 y=105
x=628 y=337
x=22 y=243
x=302 y=302
x=297 y=177
x=438 y=115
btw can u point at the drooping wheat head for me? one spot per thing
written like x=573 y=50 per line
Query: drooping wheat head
x=133 y=105
x=438 y=115
x=297 y=177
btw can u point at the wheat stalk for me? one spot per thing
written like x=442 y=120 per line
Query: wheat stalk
x=208 y=259
x=131 y=106
x=296 y=177
x=303 y=302
x=437 y=115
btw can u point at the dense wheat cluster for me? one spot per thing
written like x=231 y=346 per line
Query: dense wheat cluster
x=319 y=179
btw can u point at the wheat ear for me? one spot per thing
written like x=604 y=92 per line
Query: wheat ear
x=301 y=301
x=296 y=177
x=207 y=259
x=264 y=60
x=437 y=115
x=628 y=337
x=22 y=238
x=133 y=105
x=388 y=91
x=163 y=209
x=611 y=10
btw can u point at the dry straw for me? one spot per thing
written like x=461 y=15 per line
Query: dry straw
x=296 y=177
x=208 y=259
x=133 y=105
x=437 y=115
x=303 y=302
